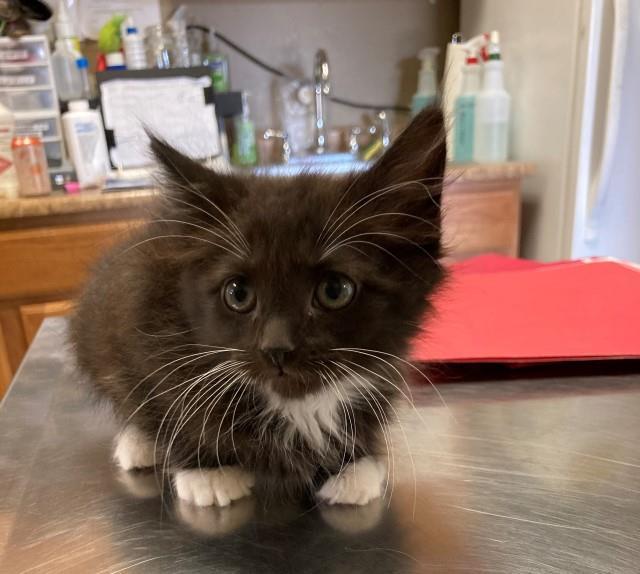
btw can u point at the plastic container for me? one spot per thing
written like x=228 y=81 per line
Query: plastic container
x=464 y=111
x=28 y=88
x=46 y=127
x=66 y=74
x=54 y=152
x=427 y=92
x=24 y=77
x=115 y=61
x=8 y=178
x=26 y=52
x=493 y=108
x=29 y=100
x=84 y=134
x=134 y=50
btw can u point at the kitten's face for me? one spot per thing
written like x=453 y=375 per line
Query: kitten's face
x=305 y=276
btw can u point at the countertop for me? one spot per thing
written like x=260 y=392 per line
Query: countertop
x=529 y=476
x=63 y=204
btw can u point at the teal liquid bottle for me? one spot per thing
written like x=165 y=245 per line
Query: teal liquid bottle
x=465 y=112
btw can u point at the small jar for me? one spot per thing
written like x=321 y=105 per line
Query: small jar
x=160 y=47
x=31 y=165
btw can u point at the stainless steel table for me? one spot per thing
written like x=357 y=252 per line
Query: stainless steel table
x=519 y=476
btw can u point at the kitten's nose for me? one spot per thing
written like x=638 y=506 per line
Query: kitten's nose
x=277 y=357
x=277 y=343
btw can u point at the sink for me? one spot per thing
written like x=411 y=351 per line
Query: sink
x=321 y=163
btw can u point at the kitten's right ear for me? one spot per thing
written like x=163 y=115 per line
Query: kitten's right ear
x=176 y=167
x=184 y=177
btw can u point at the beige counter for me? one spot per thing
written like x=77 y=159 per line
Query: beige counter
x=63 y=204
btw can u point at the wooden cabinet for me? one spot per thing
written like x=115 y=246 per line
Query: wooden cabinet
x=32 y=315
x=48 y=245
x=481 y=217
x=44 y=261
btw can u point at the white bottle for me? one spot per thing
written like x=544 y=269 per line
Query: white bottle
x=85 y=139
x=493 y=106
x=8 y=177
x=134 y=51
x=67 y=76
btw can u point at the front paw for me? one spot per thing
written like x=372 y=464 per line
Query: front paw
x=133 y=449
x=357 y=483
x=209 y=486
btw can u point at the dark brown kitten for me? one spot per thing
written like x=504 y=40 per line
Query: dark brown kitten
x=257 y=327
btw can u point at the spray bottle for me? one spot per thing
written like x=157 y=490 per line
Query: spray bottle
x=427 y=92
x=493 y=106
x=464 y=109
x=66 y=73
x=455 y=61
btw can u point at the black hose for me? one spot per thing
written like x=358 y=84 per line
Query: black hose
x=277 y=72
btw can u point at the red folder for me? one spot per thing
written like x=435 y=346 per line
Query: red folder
x=499 y=309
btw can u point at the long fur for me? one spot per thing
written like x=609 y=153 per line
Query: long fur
x=154 y=336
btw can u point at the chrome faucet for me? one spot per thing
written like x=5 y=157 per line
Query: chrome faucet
x=322 y=91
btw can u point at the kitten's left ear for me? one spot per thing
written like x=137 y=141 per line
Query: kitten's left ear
x=398 y=198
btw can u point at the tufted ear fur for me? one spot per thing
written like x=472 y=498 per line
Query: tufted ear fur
x=187 y=180
x=396 y=203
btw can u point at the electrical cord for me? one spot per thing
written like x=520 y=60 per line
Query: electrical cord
x=277 y=72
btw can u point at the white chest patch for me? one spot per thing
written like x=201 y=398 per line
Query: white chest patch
x=313 y=416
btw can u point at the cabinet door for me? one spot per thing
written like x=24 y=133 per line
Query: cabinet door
x=32 y=315
x=6 y=371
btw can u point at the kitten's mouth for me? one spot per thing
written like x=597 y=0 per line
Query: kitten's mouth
x=290 y=384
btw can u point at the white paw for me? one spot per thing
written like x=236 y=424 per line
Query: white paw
x=219 y=486
x=133 y=449
x=358 y=483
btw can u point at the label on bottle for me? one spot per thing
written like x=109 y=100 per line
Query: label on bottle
x=219 y=74
x=88 y=138
x=464 y=129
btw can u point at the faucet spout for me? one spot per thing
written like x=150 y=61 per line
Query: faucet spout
x=322 y=92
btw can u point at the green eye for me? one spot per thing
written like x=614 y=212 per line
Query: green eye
x=238 y=295
x=335 y=291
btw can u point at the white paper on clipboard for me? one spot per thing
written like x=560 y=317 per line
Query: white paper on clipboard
x=173 y=108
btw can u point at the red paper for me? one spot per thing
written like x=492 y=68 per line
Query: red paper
x=498 y=309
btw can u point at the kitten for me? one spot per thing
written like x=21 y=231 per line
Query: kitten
x=257 y=327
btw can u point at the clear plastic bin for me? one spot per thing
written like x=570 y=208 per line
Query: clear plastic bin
x=28 y=100
x=53 y=151
x=45 y=127
x=20 y=77
x=28 y=51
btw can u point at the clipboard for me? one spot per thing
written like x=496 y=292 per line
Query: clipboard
x=178 y=104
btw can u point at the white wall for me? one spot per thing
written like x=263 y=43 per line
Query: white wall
x=372 y=44
x=539 y=42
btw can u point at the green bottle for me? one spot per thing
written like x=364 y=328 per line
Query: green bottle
x=218 y=64
x=244 y=152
